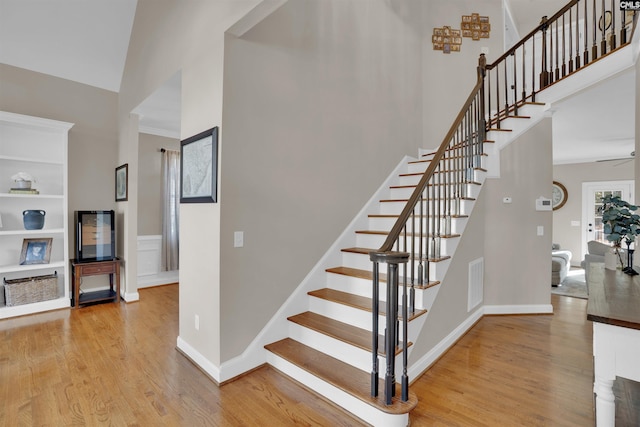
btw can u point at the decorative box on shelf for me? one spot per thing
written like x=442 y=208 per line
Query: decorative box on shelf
x=30 y=289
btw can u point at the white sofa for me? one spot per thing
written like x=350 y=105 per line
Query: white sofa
x=596 y=251
x=560 y=264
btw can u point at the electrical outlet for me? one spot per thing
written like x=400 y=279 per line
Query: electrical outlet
x=540 y=230
x=197 y=322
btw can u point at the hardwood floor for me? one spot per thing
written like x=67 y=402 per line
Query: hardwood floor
x=116 y=364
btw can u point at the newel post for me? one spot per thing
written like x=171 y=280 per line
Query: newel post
x=392 y=259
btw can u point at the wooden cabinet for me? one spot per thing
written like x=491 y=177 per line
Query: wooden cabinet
x=38 y=147
x=82 y=269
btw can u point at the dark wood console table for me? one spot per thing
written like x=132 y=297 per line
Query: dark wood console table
x=614 y=308
x=82 y=269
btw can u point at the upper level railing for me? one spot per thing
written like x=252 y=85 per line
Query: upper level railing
x=580 y=33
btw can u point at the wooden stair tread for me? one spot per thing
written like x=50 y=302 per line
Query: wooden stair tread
x=406 y=200
x=357 y=301
x=403 y=175
x=340 y=374
x=385 y=233
x=442 y=183
x=341 y=331
x=368 y=275
x=515 y=117
x=500 y=130
x=417 y=216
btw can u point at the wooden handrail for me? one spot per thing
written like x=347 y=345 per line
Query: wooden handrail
x=388 y=244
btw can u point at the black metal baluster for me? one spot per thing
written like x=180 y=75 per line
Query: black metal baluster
x=594 y=47
x=533 y=70
x=564 y=41
x=524 y=84
x=506 y=90
x=612 y=34
x=544 y=74
x=603 y=31
x=374 y=332
x=390 y=339
x=557 y=50
x=570 y=40
x=498 y=97
x=623 y=27
x=405 y=338
x=586 y=35
x=515 y=84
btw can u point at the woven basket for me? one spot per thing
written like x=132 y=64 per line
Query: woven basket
x=30 y=289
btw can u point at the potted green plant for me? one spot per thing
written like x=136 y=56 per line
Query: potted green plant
x=620 y=223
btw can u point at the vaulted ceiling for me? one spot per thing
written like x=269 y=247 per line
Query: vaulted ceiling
x=87 y=40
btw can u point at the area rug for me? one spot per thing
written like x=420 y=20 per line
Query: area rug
x=573 y=285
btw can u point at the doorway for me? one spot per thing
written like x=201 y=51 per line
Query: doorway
x=592 y=194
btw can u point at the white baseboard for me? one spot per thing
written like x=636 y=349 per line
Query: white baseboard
x=162 y=278
x=198 y=359
x=131 y=296
x=519 y=309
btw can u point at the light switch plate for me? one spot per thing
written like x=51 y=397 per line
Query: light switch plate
x=238 y=239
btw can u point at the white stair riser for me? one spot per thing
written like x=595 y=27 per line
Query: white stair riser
x=347 y=353
x=342 y=313
x=395 y=208
x=387 y=223
x=375 y=241
x=417 y=167
x=469 y=190
x=363 y=288
x=339 y=397
x=409 y=180
x=354 y=356
x=438 y=269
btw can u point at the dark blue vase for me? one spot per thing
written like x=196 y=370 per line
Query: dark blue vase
x=33 y=219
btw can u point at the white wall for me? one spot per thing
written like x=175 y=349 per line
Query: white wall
x=449 y=78
x=517 y=260
x=187 y=36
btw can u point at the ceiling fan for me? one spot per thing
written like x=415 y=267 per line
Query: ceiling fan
x=622 y=160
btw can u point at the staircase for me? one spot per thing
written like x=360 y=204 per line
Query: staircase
x=335 y=346
x=329 y=346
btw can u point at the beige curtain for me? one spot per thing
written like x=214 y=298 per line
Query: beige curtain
x=170 y=209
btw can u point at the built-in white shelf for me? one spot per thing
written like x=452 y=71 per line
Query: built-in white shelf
x=31 y=267
x=28 y=232
x=31 y=160
x=32 y=196
x=35 y=307
x=39 y=147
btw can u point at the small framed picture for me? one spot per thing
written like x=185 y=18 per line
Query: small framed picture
x=36 y=251
x=199 y=168
x=122 y=185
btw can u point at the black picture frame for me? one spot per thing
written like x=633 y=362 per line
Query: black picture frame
x=199 y=168
x=36 y=251
x=122 y=183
